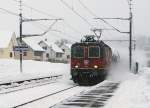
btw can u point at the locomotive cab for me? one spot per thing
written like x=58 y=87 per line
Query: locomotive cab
x=89 y=61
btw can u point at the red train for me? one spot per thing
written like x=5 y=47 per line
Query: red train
x=90 y=60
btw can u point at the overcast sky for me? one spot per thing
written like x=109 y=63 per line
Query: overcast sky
x=56 y=9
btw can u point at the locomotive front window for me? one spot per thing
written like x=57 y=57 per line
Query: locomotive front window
x=94 y=51
x=78 y=52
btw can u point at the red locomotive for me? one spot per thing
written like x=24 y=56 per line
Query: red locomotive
x=90 y=60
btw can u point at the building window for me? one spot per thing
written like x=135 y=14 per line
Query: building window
x=59 y=55
x=68 y=56
x=11 y=54
x=37 y=53
x=45 y=47
x=24 y=53
x=47 y=55
x=63 y=50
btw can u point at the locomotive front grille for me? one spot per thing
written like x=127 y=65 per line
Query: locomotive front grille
x=88 y=71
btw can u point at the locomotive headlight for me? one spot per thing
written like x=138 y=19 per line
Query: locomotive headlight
x=76 y=66
x=95 y=66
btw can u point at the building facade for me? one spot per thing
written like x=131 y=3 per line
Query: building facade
x=33 y=51
x=7 y=43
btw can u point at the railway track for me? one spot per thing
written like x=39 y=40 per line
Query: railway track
x=26 y=84
x=94 y=98
x=40 y=98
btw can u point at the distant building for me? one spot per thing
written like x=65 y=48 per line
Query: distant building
x=67 y=52
x=52 y=51
x=34 y=52
x=7 y=43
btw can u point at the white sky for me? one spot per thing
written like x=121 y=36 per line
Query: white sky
x=102 y=8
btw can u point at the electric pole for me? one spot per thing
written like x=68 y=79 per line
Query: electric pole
x=130 y=37
x=129 y=32
x=21 y=20
x=20 y=24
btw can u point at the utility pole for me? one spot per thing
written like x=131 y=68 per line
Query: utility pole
x=21 y=20
x=20 y=24
x=130 y=37
x=129 y=32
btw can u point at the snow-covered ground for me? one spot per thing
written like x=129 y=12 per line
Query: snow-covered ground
x=133 y=91
x=33 y=69
x=10 y=71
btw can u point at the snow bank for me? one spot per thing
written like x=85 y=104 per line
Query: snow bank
x=140 y=57
x=10 y=71
x=133 y=93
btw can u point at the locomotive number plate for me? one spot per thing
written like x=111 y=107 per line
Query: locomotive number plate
x=86 y=62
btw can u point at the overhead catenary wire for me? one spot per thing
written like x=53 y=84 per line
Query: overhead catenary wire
x=9 y=12
x=72 y=28
x=57 y=31
x=85 y=7
x=28 y=35
x=37 y=10
x=40 y=26
x=69 y=7
x=59 y=35
x=61 y=32
x=47 y=14
x=91 y=12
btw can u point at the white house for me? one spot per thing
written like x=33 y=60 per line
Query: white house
x=7 y=43
x=53 y=52
x=34 y=52
x=67 y=52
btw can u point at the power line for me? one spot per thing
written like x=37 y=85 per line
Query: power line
x=37 y=10
x=29 y=35
x=42 y=12
x=85 y=7
x=111 y=25
x=73 y=40
x=39 y=25
x=71 y=27
x=45 y=13
x=58 y=31
x=91 y=12
x=9 y=12
x=85 y=20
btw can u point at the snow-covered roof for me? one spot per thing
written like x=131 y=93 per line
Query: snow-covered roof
x=68 y=45
x=54 y=47
x=31 y=42
x=5 y=37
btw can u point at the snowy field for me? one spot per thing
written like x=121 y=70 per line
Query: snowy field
x=10 y=71
x=133 y=91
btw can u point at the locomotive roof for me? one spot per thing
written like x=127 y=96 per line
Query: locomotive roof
x=101 y=43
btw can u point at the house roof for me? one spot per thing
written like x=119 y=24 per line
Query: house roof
x=31 y=42
x=5 y=37
x=54 y=47
x=68 y=45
